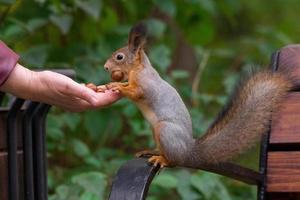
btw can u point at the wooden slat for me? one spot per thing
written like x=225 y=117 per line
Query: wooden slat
x=283 y=196
x=283 y=173
x=285 y=127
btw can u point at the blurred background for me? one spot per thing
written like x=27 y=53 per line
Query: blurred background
x=199 y=46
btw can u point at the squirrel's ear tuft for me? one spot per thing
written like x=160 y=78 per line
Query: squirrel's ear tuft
x=137 y=37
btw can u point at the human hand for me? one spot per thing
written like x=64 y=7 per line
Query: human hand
x=56 y=89
x=64 y=92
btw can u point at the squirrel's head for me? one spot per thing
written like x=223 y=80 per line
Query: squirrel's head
x=129 y=57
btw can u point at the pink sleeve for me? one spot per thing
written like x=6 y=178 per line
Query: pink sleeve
x=8 y=60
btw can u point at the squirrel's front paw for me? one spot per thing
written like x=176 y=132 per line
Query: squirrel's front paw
x=159 y=160
x=114 y=86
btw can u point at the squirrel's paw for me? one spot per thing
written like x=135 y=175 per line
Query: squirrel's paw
x=147 y=153
x=159 y=160
x=91 y=86
x=116 y=85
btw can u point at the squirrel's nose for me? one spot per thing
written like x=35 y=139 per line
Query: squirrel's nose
x=106 y=67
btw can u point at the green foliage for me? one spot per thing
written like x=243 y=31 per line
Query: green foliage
x=86 y=149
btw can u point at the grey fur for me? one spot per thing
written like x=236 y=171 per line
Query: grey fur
x=246 y=120
x=160 y=97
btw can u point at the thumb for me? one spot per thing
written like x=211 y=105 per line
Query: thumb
x=83 y=92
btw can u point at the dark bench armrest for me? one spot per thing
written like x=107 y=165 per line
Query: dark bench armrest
x=133 y=180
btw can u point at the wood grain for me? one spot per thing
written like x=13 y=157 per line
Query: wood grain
x=285 y=128
x=283 y=173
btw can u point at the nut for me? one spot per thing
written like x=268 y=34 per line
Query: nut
x=117 y=75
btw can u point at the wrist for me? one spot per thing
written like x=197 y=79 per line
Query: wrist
x=21 y=82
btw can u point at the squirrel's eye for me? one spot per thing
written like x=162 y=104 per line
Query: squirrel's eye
x=120 y=56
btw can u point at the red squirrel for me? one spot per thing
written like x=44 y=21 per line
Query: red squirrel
x=240 y=126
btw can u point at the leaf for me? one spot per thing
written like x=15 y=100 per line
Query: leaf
x=209 y=185
x=204 y=183
x=156 y=28
x=115 y=124
x=95 y=123
x=88 y=196
x=184 y=187
x=13 y=32
x=36 y=23
x=62 y=191
x=222 y=192
x=167 y=6
x=90 y=7
x=54 y=125
x=165 y=180
x=7 y=2
x=93 y=182
x=110 y=20
x=209 y=6
x=40 y=1
x=55 y=133
x=35 y=56
x=67 y=192
x=230 y=82
x=92 y=161
x=205 y=28
x=63 y=22
x=137 y=126
x=160 y=57
x=80 y=148
x=72 y=120
x=180 y=74
x=130 y=110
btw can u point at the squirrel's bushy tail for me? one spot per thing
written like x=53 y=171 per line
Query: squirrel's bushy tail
x=246 y=118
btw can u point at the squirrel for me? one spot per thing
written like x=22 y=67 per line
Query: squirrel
x=246 y=118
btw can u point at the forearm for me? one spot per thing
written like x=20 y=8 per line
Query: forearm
x=22 y=83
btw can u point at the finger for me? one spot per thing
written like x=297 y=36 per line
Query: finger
x=107 y=98
x=79 y=91
x=91 y=86
x=101 y=88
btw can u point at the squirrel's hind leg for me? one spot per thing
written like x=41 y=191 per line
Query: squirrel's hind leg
x=174 y=143
x=159 y=160
x=147 y=153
